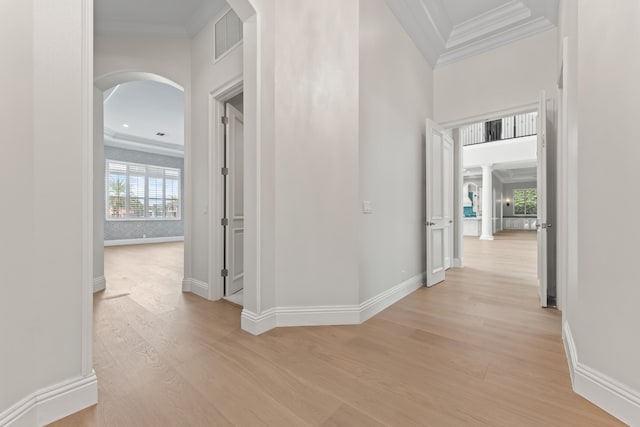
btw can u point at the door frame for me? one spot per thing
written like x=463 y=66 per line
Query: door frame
x=217 y=101
x=564 y=174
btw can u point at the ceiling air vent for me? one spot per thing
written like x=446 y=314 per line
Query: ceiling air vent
x=228 y=31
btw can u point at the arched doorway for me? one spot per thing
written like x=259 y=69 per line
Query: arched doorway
x=141 y=118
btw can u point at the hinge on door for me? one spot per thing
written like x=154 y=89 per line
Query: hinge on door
x=224 y=171
x=224 y=222
x=225 y=120
x=224 y=273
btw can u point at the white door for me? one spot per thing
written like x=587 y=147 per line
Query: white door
x=436 y=203
x=541 y=222
x=234 y=202
x=447 y=166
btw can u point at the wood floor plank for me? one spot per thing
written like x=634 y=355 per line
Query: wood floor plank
x=475 y=350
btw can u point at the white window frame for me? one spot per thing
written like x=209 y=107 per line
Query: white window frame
x=525 y=201
x=147 y=175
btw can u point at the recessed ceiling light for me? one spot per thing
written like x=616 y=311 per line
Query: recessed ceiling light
x=125 y=125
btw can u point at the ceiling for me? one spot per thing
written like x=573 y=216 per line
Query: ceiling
x=446 y=31
x=508 y=173
x=174 y=17
x=135 y=112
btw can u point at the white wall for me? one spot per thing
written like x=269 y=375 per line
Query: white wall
x=396 y=96
x=600 y=283
x=606 y=318
x=504 y=78
x=316 y=152
x=41 y=115
x=16 y=119
x=167 y=56
x=206 y=76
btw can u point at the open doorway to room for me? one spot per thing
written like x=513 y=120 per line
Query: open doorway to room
x=143 y=192
x=233 y=199
x=504 y=198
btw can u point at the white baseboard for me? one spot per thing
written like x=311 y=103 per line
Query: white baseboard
x=458 y=263
x=328 y=315
x=186 y=285
x=257 y=324
x=614 y=397
x=197 y=287
x=52 y=403
x=99 y=284
x=375 y=305
x=146 y=241
x=486 y=237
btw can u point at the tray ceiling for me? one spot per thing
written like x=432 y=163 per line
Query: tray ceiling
x=446 y=31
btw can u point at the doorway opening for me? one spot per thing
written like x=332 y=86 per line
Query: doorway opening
x=503 y=189
x=139 y=203
x=227 y=195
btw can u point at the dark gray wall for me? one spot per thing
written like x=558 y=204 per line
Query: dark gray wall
x=508 y=193
x=137 y=229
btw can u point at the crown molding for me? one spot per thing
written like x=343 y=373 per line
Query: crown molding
x=142 y=140
x=137 y=28
x=493 y=20
x=140 y=144
x=437 y=16
x=519 y=32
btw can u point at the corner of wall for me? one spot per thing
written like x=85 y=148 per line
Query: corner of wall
x=202 y=289
x=99 y=284
x=52 y=403
x=612 y=396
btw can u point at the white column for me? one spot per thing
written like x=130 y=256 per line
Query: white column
x=487 y=203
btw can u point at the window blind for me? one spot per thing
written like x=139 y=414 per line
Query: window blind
x=136 y=191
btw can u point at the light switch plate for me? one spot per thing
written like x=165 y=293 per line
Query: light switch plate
x=367 y=207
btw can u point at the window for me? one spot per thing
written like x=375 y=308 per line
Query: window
x=142 y=191
x=525 y=202
x=228 y=33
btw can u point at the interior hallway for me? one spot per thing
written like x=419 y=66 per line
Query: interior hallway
x=475 y=350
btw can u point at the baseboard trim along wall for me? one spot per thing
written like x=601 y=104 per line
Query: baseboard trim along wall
x=197 y=287
x=99 y=284
x=146 y=241
x=52 y=403
x=329 y=315
x=617 y=399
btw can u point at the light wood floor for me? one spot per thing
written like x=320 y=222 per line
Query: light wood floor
x=475 y=350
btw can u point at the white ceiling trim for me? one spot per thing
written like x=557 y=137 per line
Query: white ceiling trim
x=519 y=32
x=488 y=22
x=430 y=26
x=438 y=18
x=137 y=28
x=145 y=146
